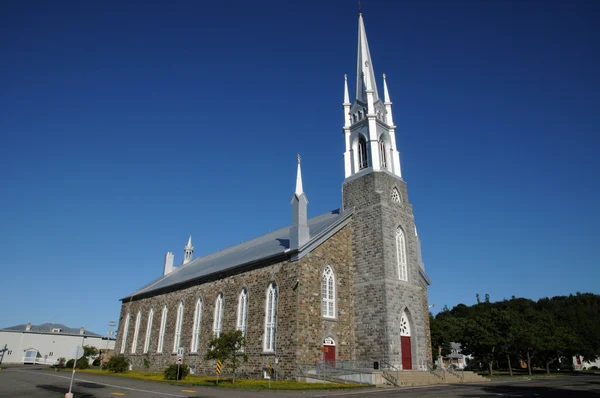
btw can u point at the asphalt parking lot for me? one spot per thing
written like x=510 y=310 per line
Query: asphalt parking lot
x=39 y=382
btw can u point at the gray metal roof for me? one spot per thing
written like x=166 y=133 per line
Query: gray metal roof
x=47 y=328
x=254 y=250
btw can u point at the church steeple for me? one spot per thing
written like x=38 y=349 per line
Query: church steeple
x=368 y=124
x=299 y=233
x=365 y=75
x=188 y=251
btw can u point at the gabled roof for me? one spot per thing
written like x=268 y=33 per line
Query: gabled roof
x=47 y=328
x=269 y=246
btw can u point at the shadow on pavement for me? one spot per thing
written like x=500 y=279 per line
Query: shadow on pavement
x=89 y=385
x=62 y=390
x=569 y=387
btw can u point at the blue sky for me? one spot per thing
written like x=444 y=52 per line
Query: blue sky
x=125 y=126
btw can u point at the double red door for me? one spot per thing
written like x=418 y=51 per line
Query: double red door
x=406 y=352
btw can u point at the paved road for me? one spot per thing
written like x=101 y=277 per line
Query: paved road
x=36 y=382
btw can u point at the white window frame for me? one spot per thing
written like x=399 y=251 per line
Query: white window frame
x=363 y=152
x=382 y=153
x=161 y=333
x=125 y=330
x=197 y=324
x=148 y=330
x=328 y=307
x=218 y=321
x=270 y=318
x=136 y=332
x=242 y=312
x=178 y=324
x=401 y=255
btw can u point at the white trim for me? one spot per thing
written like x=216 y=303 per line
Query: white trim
x=328 y=307
x=242 y=311
x=161 y=334
x=270 y=318
x=401 y=255
x=125 y=330
x=136 y=332
x=218 y=319
x=197 y=323
x=404 y=325
x=148 y=330
x=178 y=324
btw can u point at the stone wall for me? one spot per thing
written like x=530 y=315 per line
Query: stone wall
x=300 y=327
x=380 y=296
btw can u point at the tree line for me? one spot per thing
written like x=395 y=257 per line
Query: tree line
x=521 y=329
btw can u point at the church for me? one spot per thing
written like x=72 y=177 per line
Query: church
x=348 y=285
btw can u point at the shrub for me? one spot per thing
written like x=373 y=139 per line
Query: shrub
x=69 y=364
x=171 y=372
x=83 y=363
x=61 y=361
x=146 y=363
x=118 y=364
x=96 y=362
x=594 y=368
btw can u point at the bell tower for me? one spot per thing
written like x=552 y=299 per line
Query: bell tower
x=390 y=285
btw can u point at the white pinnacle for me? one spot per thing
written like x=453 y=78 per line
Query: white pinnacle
x=299 y=189
x=189 y=244
x=346 y=95
x=386 y=94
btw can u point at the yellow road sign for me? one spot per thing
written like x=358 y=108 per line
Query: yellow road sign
x=218 y=367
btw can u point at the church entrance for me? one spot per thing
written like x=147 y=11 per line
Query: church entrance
x=329 y=352
x=405 y=343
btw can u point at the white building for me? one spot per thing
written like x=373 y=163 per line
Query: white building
x=46 y=343
x=580 y=364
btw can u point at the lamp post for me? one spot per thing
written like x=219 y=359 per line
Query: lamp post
x=111 y=325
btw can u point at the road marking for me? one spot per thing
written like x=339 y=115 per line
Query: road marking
x=103 y=384
x=188 y=390
x=118 y=393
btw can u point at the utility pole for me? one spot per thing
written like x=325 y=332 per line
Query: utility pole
x=111 y=325
x=2 y=351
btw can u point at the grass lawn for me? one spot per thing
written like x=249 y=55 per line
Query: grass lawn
x=211 y=381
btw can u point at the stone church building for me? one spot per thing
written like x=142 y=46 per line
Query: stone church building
x=346 y=285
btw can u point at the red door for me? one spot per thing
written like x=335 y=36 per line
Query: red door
x=329 y=355
x=406 y=353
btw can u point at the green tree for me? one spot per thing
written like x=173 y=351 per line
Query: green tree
x=228 y=348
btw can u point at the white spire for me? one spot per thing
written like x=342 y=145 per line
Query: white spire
x=365 y=75
x=299 y=189
x=346 y=95
x=188 y=251
x=386 y=94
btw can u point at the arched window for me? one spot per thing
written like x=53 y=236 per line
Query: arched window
x=218 y=321
x=178 y=324
x=395 y=195
x=148 y=330
x=363 y=160
x=328 y=293
x=401 y=255
x=197 y=323
x=404 y=325
x=242 y=313
x=161 y=333
x=270 y=318
x=136 y=331
x=125 y=330
x=382 y=153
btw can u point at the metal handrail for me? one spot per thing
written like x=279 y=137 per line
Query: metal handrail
x=383 y=365
x=432 y=370
x=455 y=372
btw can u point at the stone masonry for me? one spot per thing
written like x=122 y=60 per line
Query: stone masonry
x=380 y=297
x=300 y=327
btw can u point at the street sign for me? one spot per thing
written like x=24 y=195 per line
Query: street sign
x=180 y=351
x=218 y=370
x=179 y=360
